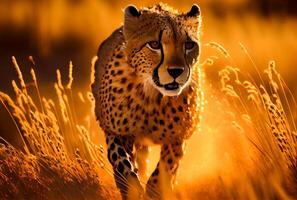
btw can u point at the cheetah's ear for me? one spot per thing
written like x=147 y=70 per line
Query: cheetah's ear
x=131 y=20
x=194 y=12
x=131 y=11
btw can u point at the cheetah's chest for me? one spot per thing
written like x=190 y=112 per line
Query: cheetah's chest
x=131 y=111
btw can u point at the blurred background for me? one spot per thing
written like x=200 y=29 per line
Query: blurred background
x=57 y=31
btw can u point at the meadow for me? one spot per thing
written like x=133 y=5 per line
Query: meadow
x=244 y=148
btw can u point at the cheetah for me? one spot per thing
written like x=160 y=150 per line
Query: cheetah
x=147 y=91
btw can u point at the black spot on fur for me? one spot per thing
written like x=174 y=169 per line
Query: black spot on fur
x=163 y=111
x=130 y=86
x=120 y=91
x=125 y=121
x=121 y=152
x=180 y=108
x=127 y=163
x=117 y=141
x=123 y=80
x=176 y=119
x=119 y=56
x=120 y=168
x=112 y=146
x=159 y=98
x=114 y=157
x=137 y=107
x=173 y=110
x=146 y=122
x=165 y=147
x=185 y=101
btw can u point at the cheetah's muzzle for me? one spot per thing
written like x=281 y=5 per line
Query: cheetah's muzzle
x=169 y=86
x=172 y=86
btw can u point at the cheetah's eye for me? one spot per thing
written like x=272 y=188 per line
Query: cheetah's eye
x=155 y=45
x=189 y=45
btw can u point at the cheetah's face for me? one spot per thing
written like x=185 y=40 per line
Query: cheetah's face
x=162 y=46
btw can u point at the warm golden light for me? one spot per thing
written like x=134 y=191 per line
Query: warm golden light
x=51 y=146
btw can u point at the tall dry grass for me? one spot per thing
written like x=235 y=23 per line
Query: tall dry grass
x=248 y=137
x=245 y=147
x=58 y=160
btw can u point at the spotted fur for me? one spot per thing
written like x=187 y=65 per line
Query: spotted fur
x=135 y=103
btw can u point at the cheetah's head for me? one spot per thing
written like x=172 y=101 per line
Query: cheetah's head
x=162 y=45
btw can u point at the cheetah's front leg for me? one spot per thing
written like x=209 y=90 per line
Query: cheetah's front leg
x=163 y=177
x=120 y=155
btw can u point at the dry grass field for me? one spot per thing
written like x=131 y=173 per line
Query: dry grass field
x=245 y=147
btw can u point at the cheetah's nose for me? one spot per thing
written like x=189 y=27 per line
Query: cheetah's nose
x=175 y=71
